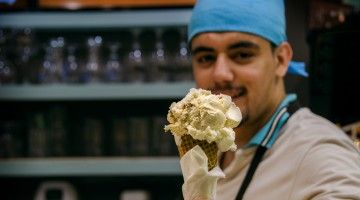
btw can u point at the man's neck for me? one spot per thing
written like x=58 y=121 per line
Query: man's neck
x=248 y=129
x=245 y=132
x=244 y=135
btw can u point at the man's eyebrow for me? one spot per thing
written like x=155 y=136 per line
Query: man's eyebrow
x=244 y=44
x=201 y=49
x=240 y=44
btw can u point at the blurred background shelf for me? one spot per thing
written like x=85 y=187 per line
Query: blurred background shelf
x=79 y=4
x=100 y=91
x=109 y=129
x=95 y=19
x=82 y=166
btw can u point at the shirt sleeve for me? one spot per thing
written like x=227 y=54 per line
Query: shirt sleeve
x=329 y=170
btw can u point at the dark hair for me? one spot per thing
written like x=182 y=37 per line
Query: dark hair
x=273 y=46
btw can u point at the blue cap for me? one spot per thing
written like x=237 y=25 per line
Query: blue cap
x=264 y=18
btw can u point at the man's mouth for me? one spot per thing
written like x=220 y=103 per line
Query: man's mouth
x=232 y=92
x=239 y=93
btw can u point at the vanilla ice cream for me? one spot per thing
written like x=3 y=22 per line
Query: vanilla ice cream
x=205 y=116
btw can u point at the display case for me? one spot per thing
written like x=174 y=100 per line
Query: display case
x=84 y=97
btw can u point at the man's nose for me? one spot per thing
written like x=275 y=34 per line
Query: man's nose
x=222 y=70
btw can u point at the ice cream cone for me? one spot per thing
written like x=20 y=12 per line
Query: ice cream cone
x=210 y=149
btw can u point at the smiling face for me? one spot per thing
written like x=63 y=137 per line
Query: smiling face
x=244 y=67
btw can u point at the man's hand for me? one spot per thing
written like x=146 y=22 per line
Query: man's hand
x=199 y=183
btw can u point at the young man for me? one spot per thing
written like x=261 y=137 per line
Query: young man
x=239 y=48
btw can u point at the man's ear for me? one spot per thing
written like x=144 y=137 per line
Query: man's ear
x=283 y=55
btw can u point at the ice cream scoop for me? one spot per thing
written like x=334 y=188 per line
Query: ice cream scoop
x=204 y=119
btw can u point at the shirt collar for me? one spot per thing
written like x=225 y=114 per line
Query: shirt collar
x=267 y=135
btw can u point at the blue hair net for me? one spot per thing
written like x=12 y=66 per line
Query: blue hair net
x=264 y=18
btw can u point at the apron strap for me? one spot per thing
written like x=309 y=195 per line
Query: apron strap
x=260 y=151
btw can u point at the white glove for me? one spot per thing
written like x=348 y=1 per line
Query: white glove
x=199 y=183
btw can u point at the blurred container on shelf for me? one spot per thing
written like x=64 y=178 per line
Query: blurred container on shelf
x=56 y=190
x=134 y=195
x=93 y=131
x=162 y=144
x=182 y=60
x=158 y=60
x=7 y=69
x=71 y=64
x=11 y=139
x=327 y=14
x=120 y=137
x=37 y=136
x=137 y=55
x=51 y=69
x=183 y=70
x=135 y=62
x=57 y=132
x=139 y=136
x=17 y=49
x=25 y=46
x=93 y=70
x=113 y=71
x=47 y=132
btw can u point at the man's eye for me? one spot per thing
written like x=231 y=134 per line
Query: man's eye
x=243 y=55
x=205 y=58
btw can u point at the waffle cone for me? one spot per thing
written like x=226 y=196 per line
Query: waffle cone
x=210 y=149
